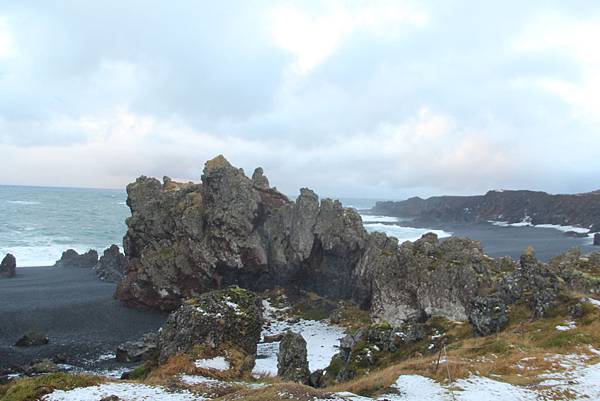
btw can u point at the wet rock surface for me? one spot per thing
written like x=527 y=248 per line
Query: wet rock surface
x=292 y=362
x=70 y=258
x=216 y=319
x=8 y=266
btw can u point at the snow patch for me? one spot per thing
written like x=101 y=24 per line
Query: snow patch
x=125 y=392
x=217 y=363
x=322 y=340
x=566 y=326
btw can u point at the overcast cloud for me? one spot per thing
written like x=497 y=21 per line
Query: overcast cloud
x=352 y=98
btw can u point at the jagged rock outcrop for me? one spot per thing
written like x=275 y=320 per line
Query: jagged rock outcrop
x=292 y=360
x=428 y=277
x=580 y=273
x=8 y=266
x=510 y=206
x=186 y=239
x=144 y=349
x=70 y=258
x=217 y=319
x=112 y=265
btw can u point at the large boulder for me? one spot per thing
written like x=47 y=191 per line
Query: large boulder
x=112 y=265
x=143 y=349
x=8 y=266
x=70 y=258
x=217 y=319
x=292 y=361
x=597 y=239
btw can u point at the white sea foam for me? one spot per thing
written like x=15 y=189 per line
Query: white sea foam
x=367 y=218
x=526 y=222
x=22 y=202
x=405 y=233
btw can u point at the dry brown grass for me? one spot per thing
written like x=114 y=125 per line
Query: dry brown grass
x=518 y=355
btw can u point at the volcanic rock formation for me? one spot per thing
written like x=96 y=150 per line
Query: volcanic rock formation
x=8 y=266
x=70 y=258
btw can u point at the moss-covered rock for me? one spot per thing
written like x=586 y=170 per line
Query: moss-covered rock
x=232 y=315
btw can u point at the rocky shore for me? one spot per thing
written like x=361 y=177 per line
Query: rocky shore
x=582 y=210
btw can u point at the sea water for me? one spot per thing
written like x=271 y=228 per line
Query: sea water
x=38 y=223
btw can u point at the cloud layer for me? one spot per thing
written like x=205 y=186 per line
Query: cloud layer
x=353 y=98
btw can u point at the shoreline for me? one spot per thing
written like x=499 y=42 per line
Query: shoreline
x=75 y=309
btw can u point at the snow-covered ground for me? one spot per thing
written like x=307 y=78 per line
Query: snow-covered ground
x=125 y=392
x=322 y=340
x=217 y=363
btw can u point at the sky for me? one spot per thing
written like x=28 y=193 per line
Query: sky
x=374 y=99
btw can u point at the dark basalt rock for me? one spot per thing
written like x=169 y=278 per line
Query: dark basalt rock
x=489 y=315
x=112 y=265
x=215 y=319
x=41 y=366
x=188 y=239
x=144 y=349
x=70 y=258
x=292 y=362
x=32 y=338
x=8 y=266
x=597 y=239
x=509 y=206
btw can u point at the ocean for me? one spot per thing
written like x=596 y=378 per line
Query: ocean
x=38 y=223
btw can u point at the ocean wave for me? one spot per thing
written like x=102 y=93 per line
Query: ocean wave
x=405 y=233
x=22 y=202
x=367 y=218
x=526 y=222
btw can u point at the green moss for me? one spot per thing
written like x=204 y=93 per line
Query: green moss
x=141 y=372
x=33 y=388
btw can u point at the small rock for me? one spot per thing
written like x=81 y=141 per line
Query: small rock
x=41 y=366
x=32 y=338
x=60 y=358
x=292 y=362
x=576 y=311
x=110 y=398
x=8 y=266
x=488 y=315
x=273 y=339
x=597 y=239
x=136 y=351
x=70 y=258
x=111 y=265
x=316 y=378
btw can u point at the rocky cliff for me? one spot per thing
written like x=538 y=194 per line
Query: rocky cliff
x=510 y=206
x=186 y=239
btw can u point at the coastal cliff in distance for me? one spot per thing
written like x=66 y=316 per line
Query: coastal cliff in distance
x=581 y=210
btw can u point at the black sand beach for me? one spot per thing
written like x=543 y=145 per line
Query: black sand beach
x=73 y=308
